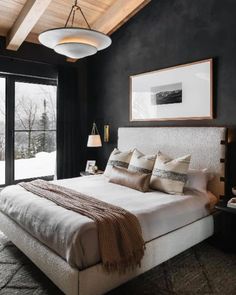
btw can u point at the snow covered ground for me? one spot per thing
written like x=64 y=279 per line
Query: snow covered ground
x=43 y=164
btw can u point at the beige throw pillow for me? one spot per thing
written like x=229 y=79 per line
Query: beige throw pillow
x=141 y=163
x=198 y=179
x=170 y=175
x=117 y=158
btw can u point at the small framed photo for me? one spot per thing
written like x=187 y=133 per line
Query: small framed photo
x=90 y=166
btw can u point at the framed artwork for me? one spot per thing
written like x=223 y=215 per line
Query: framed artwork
x=90 y=166
x=182 y=92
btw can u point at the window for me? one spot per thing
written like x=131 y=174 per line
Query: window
x=30 y=128
x=35 y=130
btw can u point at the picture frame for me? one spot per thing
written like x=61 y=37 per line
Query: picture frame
x=183 y=92
x=90 y=166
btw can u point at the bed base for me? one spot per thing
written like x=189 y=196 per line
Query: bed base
x=93 y=280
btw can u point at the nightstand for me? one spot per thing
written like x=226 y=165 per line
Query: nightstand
x=226 y=226
x=85 y=173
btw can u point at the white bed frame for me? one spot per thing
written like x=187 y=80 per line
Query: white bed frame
x=205 y=144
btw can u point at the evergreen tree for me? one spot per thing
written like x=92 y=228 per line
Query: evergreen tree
x=43 y=143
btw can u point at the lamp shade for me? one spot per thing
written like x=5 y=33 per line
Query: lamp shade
x=75 y=42
x=75 y=50
x=94 y=140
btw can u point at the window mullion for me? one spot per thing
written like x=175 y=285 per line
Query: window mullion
x=10 y=110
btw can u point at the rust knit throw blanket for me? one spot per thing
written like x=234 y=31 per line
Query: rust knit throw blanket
x=119 y=232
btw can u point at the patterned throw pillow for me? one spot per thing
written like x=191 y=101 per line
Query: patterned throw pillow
x=118 y=158
x=141 y=163
x=170 y=175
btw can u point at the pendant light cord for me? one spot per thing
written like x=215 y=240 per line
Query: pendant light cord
x=94 y=129
x=84 y=18
x=73 y=10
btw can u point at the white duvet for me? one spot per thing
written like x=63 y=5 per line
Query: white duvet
x=74 y=237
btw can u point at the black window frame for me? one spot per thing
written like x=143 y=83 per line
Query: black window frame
x=10 y=130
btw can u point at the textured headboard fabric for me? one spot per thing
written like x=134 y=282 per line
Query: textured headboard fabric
x=207 y=146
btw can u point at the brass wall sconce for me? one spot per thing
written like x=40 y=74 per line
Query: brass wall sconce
x=106 y=133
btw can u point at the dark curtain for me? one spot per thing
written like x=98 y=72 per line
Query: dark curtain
x=68 y=122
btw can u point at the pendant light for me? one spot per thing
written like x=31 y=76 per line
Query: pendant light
x=75 y=42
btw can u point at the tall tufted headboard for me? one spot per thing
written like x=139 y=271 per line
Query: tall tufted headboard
x=207 y=146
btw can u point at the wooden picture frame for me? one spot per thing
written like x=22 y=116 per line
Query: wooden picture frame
x=183 y=92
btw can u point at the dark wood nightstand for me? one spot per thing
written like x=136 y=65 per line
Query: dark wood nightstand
x=85 y=173
x=226 y=226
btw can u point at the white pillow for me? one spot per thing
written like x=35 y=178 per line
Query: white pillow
x=170 y=175
x=117 y=158
x=141 y=163
x=198 y=179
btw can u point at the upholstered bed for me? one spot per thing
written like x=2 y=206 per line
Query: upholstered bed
x=170 y=224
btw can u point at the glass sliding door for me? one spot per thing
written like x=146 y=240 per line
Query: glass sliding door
x=2 y=129
x=35 y=130
x=27 y=128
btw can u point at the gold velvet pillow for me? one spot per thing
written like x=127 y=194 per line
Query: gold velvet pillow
x=131 y=179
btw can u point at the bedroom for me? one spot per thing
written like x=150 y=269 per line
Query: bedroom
x=160 y=35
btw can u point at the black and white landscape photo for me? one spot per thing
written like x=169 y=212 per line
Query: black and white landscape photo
x=166 y=94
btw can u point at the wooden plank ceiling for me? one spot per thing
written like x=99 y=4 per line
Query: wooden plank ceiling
x=24 y=20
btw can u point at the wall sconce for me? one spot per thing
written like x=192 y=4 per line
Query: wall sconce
x=94 y=139
x=106 y=133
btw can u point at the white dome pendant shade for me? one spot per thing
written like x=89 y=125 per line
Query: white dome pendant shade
x=75 y=42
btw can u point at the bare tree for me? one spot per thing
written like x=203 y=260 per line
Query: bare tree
x=26 y=111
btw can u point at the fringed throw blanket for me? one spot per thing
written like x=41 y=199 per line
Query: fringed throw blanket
x=119 y=232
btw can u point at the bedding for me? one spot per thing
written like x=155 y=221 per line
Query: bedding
x=74 y=237
x=120 y=238
x=135 y=180
x=170 y=175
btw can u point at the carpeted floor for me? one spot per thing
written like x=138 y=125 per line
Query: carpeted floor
x=202 y=269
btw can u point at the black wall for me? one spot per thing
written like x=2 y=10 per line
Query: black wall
x=165 y=33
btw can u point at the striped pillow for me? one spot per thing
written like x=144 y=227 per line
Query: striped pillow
x=117 y=158
x=170 y=175
x=141 y=163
